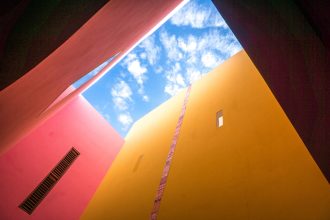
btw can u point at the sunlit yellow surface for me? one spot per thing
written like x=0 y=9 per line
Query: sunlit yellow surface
x=129 y=188
x=253 y=167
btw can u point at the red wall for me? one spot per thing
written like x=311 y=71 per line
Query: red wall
x=25 y=165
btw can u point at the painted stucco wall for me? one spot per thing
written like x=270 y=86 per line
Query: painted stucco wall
x=24 y=166
x=115 y=28
x=289 y=43
x=254 y=167
x=128 y=190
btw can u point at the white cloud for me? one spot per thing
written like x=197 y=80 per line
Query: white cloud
x=172 y=89
x=211 y=48
x=170 y=43
x=210 y=60
x=192 y=58
x=193 y=75
x=199 y=54
x=174 y=76
x=122 y=90
x=135 y=68
x=143 y=55
x=152 y=51
x=174 y=80
x=216 y=40
x=145 y=98
x=121 y=94
x=198 y=16
x=120 y=103
x=233 y=48
x=141 y=90
x=188 y=45
x=159 y=69
x=125 y=119
x=137 y=71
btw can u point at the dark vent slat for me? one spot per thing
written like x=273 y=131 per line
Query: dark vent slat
x=53 y=177
x=28 y=204
x=70 y=156
x=60 y=171
x=26 y=207
x=63 y=165
x=34 y=198
x=40 y=192
x=42 y=188
x=47 y=183
x=57 y=174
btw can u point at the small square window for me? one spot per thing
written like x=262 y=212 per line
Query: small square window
x=219 y=118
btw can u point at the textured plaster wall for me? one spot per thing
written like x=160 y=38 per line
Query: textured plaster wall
x=23 y=167
x=254 y=167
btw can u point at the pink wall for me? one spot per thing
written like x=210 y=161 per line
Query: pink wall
x=29 y=161
x=114 y=28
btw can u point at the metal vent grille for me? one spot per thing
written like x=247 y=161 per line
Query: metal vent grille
x=40 y=192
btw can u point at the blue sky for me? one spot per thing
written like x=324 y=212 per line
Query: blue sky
x=190 y=44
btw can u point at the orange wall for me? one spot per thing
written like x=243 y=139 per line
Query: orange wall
x=254 y=167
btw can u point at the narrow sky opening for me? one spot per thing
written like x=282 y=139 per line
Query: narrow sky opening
x=190 y=44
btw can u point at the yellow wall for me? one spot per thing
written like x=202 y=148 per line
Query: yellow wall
x=128 y=189
x=254 y=167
